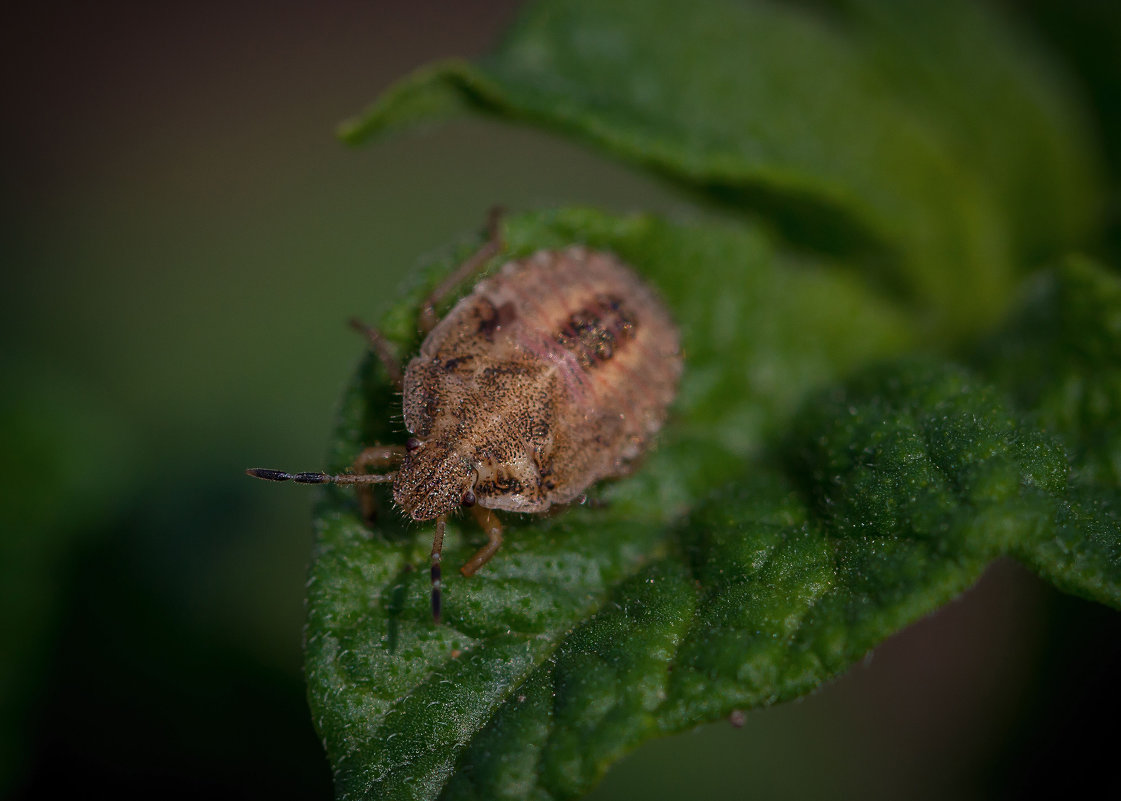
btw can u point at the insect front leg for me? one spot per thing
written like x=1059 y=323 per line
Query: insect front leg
x=490 y=523
x=437 y=551
x=427 y=319
x=370 y=460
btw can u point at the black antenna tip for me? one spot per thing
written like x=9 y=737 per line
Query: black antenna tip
x=268 y=475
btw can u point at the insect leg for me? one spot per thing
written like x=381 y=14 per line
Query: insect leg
x=383 y=349
x=490 y=523
x=378 y=456
x=477 y=262
x=437 y=549
x=375 y=456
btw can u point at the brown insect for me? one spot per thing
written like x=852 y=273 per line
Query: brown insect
x=550 y=375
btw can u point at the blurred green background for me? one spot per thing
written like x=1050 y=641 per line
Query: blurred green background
x=183 y=241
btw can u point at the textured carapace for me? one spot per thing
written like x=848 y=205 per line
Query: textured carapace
x=551 y=375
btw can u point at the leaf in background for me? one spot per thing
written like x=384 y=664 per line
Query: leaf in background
x=942 y=163
x=759 y=551
x=69 y=468
x=1000 y=105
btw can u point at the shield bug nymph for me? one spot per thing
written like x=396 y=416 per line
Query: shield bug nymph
x=551 y=374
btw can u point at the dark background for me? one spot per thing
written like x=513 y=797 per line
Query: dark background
x=182 y=242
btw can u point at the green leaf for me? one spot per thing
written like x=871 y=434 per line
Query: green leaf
x=1059 y=359
x=937 y=455
x=784 y=526
x=375 y=660
x=925 y=136
x=998 y=104
x=827 y=475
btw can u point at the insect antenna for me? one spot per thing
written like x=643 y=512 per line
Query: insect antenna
x=321 y=478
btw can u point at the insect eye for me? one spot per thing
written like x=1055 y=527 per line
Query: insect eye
x=468 y=498
x=412 y=443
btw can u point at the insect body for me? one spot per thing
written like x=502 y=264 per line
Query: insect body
x=549 y=376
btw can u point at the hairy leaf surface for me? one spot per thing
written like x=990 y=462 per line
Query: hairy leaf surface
x=862 y=427
x=737 y=568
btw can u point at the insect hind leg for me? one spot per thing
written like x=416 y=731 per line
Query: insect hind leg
x=384 y=350
x=492 y=247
